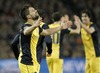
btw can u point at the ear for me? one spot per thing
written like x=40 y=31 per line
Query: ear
x=28 y=16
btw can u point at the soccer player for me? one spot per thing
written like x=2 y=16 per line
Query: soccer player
x=55 y=61
x=31 y=36
x=89 y=35
x=15 y=42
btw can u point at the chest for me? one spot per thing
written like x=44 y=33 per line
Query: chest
x=85 y=35
x=35 y=33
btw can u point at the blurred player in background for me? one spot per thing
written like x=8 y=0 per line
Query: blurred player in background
x=55 y=64
x=89 y=35
x=55 y=61
x=30 y=40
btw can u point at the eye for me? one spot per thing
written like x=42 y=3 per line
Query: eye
x=85 y=16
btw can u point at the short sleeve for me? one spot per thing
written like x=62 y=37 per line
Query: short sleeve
x=94 y=26
x=24 y=26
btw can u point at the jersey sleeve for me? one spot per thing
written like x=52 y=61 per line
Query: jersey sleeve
x=94 y=26
x=44 y=26
x=25 y=26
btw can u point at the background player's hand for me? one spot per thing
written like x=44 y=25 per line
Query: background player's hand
x=69 y=24
x=64 y=25
x=77 y=23
x=77 y=19
x=65 y=18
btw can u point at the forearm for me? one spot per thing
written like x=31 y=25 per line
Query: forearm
x=29 y=30
x=85 y=28
x=51 y=31
x=75 y=31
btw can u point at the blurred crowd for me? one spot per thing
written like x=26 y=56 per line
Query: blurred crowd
x=10 y=21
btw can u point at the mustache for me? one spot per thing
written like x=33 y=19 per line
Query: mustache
x=35 y=18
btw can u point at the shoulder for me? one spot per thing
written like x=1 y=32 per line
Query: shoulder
x=44 y=25
x=94 y=26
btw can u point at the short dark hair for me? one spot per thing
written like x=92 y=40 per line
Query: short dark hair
x=42 y=13
x=25 y=11
x=87 y=12
x=56 y=16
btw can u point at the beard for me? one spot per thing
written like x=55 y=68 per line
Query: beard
x=35 y=18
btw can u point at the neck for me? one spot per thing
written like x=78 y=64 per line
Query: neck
x=30 y=21
x=88 y=23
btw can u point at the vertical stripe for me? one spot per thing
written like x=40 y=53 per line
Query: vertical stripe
x=96 y=44
x=27 y=68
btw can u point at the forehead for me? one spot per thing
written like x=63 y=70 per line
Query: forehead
x=84 y=15
x=31 y=9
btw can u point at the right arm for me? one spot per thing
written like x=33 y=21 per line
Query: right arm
x=28 y=30
x=77 y=30
x=14 y=46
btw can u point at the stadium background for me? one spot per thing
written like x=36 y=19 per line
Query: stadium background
x=10 y=22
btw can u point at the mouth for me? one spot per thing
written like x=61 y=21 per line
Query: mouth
x=84 y=20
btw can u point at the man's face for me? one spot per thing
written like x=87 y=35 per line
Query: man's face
x=85 y=18
x=66 y=17
x=33 y=13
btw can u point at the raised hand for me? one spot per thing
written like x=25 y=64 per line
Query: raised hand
x=66 y=25
x=77 y=19
x=69 y=24
x=38 y=22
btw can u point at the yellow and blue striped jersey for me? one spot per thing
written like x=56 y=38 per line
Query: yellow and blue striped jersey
x=32 y=45
x=55 y=42
x=90 y=41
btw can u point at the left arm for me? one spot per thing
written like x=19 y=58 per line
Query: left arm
x=50 y=31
